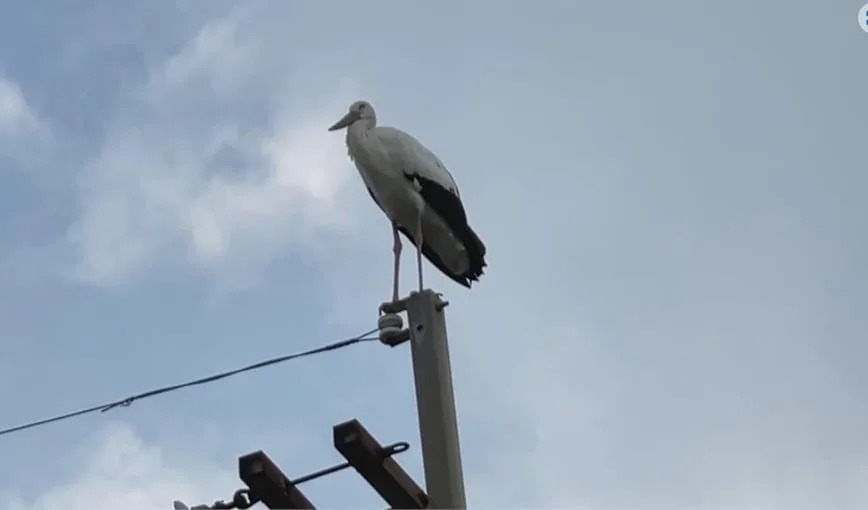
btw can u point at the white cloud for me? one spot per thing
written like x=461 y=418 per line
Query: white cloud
x=125 y=472
x=24 y=136
x=15 y=113
x=218 y=57
x=193 y=175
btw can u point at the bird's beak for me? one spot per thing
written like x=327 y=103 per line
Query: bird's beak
x=345 y=121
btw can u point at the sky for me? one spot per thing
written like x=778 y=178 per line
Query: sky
x=671 y=195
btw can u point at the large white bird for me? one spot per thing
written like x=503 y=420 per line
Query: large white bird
x=417 y=193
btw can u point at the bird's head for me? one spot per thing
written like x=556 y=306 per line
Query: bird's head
x=360 y=110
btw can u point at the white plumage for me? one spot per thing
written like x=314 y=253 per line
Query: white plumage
x=417 y=193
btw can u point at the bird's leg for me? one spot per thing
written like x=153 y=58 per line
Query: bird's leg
x=418 y=239
x=396 y=249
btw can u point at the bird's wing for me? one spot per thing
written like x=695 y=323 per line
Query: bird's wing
x=429 y=174
x=415 y=159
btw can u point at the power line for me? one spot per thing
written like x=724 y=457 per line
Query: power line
x=364 y=337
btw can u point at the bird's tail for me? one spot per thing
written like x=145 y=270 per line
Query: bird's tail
x=475 y=253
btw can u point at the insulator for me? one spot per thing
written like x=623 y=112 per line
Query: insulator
x=390 y=324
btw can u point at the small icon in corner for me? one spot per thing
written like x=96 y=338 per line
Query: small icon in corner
x=863 y=18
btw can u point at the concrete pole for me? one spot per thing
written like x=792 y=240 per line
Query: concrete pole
x=438 y=423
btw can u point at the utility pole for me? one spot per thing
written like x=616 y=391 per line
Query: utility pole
x=435 y=401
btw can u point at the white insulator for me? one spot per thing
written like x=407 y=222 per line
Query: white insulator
x=390 y=324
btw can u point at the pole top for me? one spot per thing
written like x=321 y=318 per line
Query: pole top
x=392 y=307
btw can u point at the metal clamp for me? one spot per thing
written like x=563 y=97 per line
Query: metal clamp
x=240 y=500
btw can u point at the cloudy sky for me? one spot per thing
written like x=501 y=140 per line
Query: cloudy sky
x=673 y=316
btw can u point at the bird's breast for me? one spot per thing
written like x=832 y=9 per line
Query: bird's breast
x=387 y=182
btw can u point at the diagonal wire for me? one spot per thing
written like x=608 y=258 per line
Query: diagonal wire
x=364 y=337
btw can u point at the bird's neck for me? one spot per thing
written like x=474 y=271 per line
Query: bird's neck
x=360 y=127
x=357 y=133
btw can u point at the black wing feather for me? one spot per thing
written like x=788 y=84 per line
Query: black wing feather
x=434 y=259
x=449 y=207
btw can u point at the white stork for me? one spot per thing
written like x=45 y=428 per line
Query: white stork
x=416 y=192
